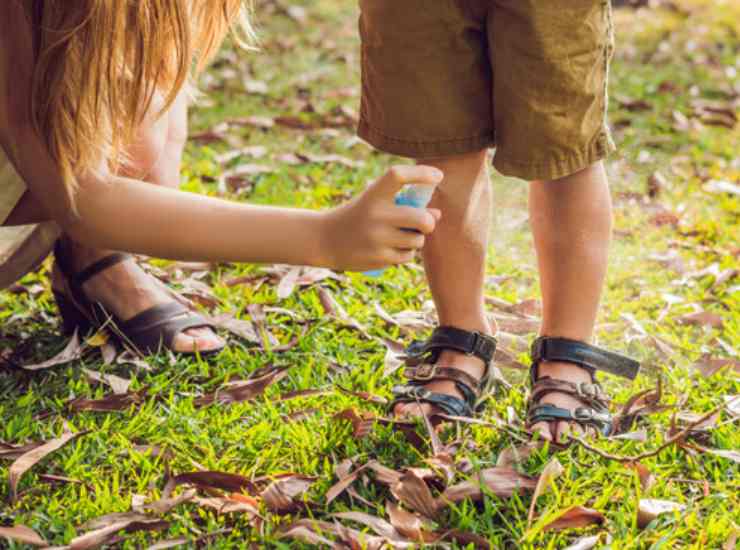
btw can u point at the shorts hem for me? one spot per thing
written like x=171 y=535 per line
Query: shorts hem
x=556 y=167
x=423 y=149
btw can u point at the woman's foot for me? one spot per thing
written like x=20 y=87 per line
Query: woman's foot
x=126 y=290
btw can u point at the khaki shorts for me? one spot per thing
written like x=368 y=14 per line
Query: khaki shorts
x=448 y=77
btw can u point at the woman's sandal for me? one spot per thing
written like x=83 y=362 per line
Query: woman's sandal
x=423 y=369
x=147 y=332
x=595 y=412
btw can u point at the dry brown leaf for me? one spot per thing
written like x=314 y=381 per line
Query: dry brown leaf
x=23 y=534
x=103 y=529
x=51 y=478
x=577 y=516
x=379 y=525
x=638 y=435
x=732 y=404
x=238 y=327
x=280 y=495
x=552 y=471
x=244 y=390
x=383 y=474
x=11 y=452
x=72 y=352
x=29 y=459
x=215 y=480
x=515 y=325
x=649 y=508
x=709 y=366
x=119 y=385
x=412 y=491
x=365 y=396
x=406 y=523
x=109 y=403
x=346 y=479
x=702 y=319
x=514 y=455
x=729 y=455
x=362 y=423
x=502 y=482
x=288 y=283
x=647 y=480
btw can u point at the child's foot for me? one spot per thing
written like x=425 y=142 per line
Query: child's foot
x=558 y=431
x=447 y=374
x=451 y=359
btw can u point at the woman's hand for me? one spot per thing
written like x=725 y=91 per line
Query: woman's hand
x=371 y=232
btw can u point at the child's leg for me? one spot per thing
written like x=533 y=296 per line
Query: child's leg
x=455 y=257
x=571 y=220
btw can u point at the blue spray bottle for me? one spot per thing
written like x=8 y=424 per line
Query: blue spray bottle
x=416 y=196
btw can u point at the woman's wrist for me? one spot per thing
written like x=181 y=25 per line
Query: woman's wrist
x=324 y=254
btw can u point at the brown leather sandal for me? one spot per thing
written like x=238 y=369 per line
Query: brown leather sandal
x=423 y=368
x=594 y=414
x=148 y=332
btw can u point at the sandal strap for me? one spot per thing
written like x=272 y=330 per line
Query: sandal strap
x=586 y=416
x=472 y=343
x=450 y=404
x=101 y=265
x=428 y=372
x=591 y=394
x=159 y=325
x=584 y=355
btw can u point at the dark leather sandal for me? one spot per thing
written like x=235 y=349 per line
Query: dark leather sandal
x=423 y=368
x=147 y=332
x=595 y=412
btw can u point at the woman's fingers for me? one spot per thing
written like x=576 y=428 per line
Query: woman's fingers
x=418 y=219
x=395 y=178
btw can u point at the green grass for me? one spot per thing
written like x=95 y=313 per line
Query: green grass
x=666 y=58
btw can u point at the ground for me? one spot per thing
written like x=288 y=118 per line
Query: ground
x=672 y=301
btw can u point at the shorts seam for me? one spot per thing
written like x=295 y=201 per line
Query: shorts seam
x=424 y=149
x=557 y=167
x=380 y=134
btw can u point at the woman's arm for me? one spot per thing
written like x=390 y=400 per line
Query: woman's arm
x=124 y=214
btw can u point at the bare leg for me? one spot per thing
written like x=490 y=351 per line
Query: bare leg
x=125 y=288
x=455 y=257
x=571 y=220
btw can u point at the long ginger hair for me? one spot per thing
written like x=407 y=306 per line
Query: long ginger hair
x=99 y=63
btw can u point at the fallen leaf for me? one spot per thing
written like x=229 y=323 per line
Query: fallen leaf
x=240 y=391
x=105 y=528
x=362 y=423
x=702 y=319
x=262 y=122
x=515 y=455
x=379 y=525
x=29 y=459
x=552 y=471
x=50 y=478
x=412 y=491
x=216 y=480
x=649 y=508
x=502 y=482
x=732 y=403
x=11 y=452
x=23 y=534
x=731 y=542
x=647 y=480
x=574 y=517
x=116 y=383
x=280 y=495
x=241 y=328
x=288 y=283
x=365 y=396
x=109 y=403
x=406 y=523
x=72 y=352
x=722 y=186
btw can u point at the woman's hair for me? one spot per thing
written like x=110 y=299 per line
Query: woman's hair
x=98 y=64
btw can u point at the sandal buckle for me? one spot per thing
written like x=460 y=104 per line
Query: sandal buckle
x=583 y=414
x=425 y=371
